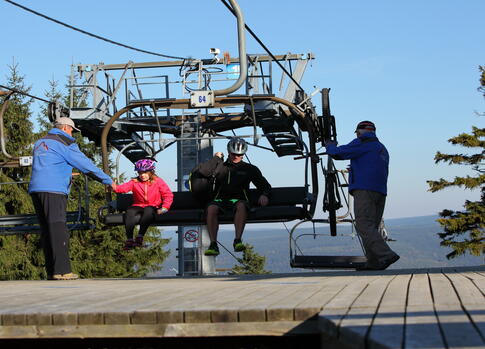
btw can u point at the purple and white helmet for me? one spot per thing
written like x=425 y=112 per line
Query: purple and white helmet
x=144 y=165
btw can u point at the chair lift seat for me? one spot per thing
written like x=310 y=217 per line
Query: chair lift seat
x=327 y=262
x=28 y=223
x=286 y=204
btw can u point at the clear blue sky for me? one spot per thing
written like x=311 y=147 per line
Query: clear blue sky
x=409 y=66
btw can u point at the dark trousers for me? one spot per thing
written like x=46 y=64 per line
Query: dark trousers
x=51 y=214
x=368 y=210
x=147 y=216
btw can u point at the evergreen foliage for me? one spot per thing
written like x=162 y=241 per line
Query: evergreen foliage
x=20 y=255
x=251 y=263
x=94 y=253
x=464 y=231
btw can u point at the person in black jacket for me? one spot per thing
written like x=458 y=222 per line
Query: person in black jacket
x=231 y=191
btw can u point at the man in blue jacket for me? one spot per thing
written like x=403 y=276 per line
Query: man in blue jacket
x=369 y=167
x=54 y=157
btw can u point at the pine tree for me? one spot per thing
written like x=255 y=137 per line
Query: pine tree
x=464 y=231
x=251 y=263
x=20 y=255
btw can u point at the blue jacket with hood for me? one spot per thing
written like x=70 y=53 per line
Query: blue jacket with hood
x=55 y=155
x=369 y=162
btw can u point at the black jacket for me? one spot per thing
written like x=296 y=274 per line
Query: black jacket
x=232 y=180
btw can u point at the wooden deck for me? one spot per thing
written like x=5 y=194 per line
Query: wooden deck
x=435 y=308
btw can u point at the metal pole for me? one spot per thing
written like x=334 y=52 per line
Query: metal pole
x=243 y=65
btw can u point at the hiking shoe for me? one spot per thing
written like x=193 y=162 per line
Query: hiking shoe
x=129 y=244
x=213 y=250
x=68 y=276
x=138 y=241
x=387 y=262
x=238 y=245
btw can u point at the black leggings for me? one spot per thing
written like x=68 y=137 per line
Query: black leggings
x=147 y=217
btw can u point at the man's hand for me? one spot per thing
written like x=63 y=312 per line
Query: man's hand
x=263 y=200
x=330 y=143
x=161 y=210
x=219 y=155
x=114 y=186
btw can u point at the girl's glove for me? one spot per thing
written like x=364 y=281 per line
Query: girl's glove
x=162 y=210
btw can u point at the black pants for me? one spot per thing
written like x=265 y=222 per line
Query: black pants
x=51 y=214
x=147 y=217
x=368 y=210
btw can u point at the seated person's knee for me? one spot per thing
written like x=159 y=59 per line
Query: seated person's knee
x=212 y=210
x=241 y=206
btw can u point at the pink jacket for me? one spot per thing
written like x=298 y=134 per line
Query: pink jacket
x=156 y=193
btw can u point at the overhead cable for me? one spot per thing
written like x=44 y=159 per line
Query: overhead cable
x=91 y=34
x=262 y=45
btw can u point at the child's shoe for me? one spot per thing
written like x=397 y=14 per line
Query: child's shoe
x=129 y=245
x=139 y=241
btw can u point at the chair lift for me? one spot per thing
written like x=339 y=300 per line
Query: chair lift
x=278 y=127
x=28 y=223
x=284 y=142
x=331 y=203
x=287 y=203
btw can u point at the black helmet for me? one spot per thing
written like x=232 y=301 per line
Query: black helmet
x=237 y=146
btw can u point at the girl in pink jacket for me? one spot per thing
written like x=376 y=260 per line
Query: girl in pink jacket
x=151 y=195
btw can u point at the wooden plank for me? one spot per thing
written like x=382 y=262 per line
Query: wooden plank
x=388 y=327
x=227 y=310
x=142 y=308
x=82 y=304
x=245 y=304
x=335 y=310
x=284 y=309
x=173 y=310
x=183 y=305
x=52 y=295
x=478 y=279
x=358 y=320
x=214 y=309
x=256 y=311
x=421 y=328
x=454 y=322
x=43 y=297
x=277 y=328
x=311 y=306
x=472 y=299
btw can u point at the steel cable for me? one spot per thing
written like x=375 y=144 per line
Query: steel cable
x=91 y=34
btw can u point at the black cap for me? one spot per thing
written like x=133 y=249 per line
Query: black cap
x=365 y=125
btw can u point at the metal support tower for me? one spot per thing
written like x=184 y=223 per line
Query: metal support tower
x=192 y=240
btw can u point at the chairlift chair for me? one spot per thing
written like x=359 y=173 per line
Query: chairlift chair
x=331 y=203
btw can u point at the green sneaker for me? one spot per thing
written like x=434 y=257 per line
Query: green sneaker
x=213 y=250
x=238 y=245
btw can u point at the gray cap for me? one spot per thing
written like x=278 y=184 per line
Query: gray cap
x=66 y=121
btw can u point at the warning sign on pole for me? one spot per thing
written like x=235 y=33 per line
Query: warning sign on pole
x=191 y=235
